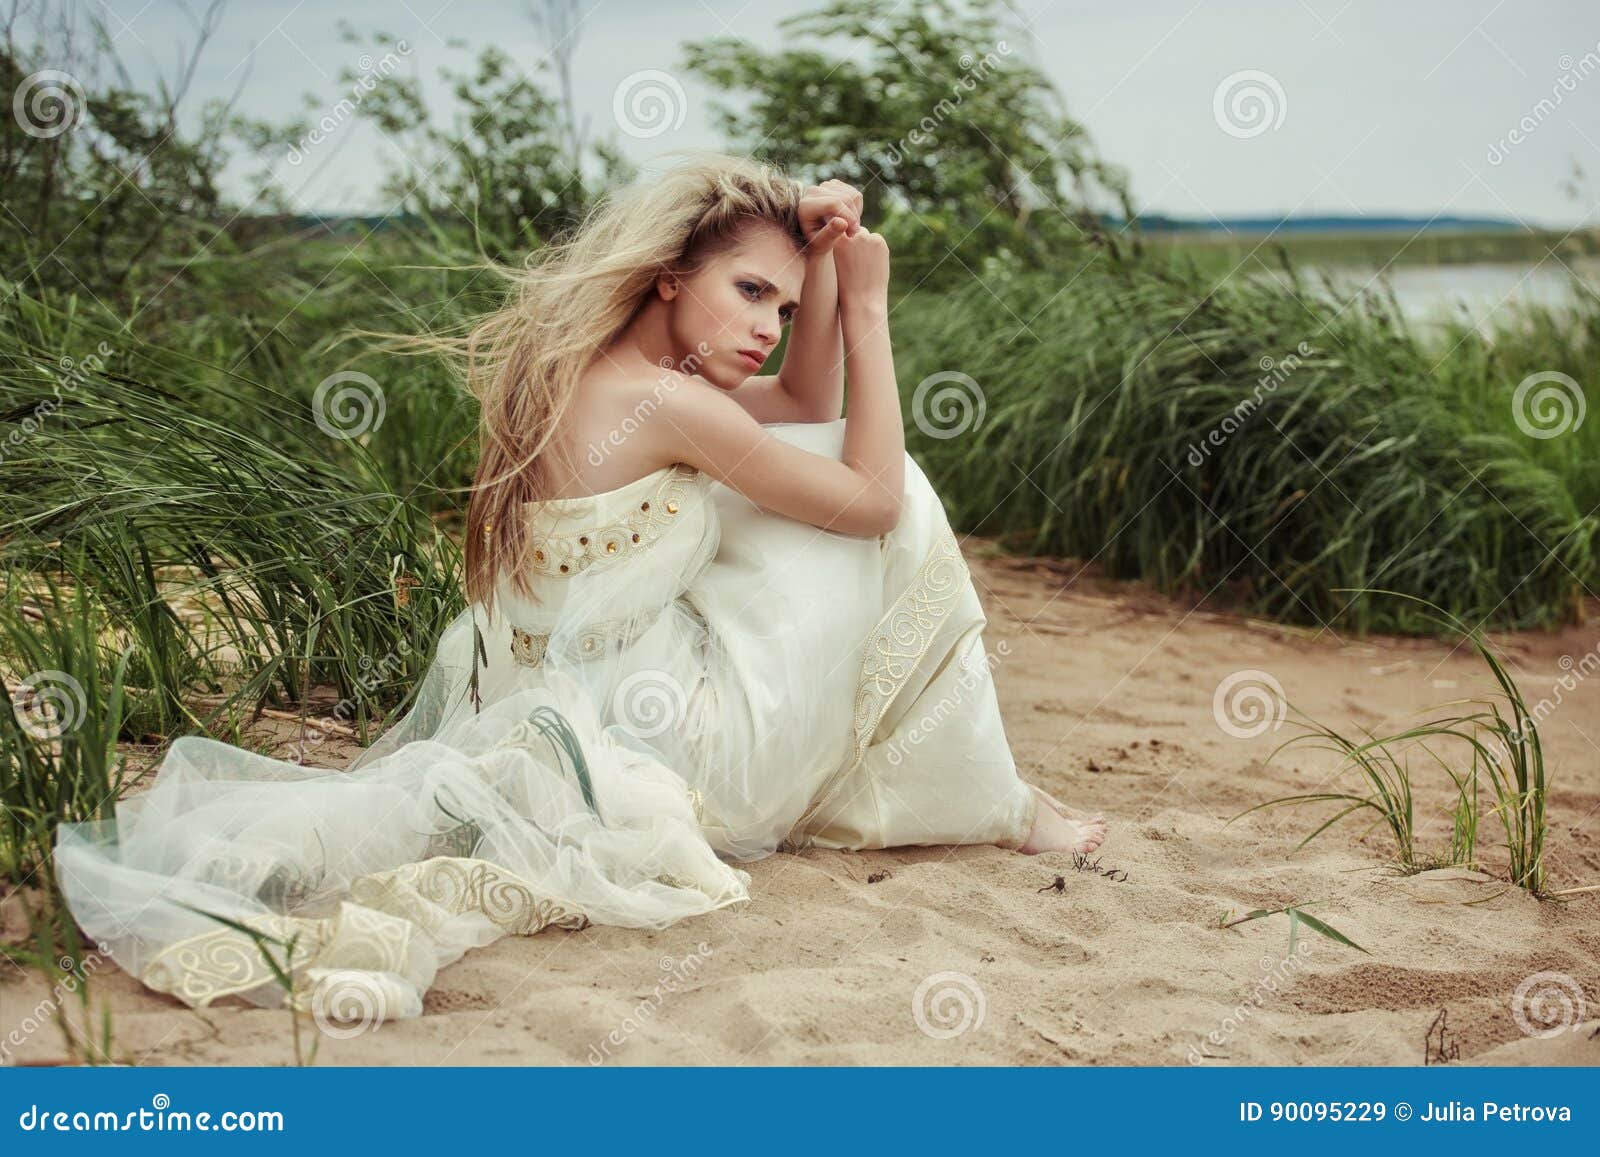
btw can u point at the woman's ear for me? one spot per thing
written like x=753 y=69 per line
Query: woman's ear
x=667 y=286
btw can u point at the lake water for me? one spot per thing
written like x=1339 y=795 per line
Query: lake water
x=1482 y=293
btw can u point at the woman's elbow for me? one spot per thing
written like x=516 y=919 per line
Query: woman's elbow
x=885 y=515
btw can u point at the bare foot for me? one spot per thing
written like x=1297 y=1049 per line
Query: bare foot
x=1058 y=828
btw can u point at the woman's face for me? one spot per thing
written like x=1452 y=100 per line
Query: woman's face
x=726 y=318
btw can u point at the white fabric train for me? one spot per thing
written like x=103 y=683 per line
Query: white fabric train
x=700 y=683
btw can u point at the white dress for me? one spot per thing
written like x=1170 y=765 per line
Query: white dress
x=699 y=683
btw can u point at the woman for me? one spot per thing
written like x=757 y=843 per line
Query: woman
x=708 y=619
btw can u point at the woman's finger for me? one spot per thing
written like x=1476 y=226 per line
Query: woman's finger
x=828 y=236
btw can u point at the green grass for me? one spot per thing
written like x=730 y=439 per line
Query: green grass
x=1364 y=457
x=1504 y=756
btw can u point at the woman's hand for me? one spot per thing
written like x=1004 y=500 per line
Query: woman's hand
x=862 y=261
x=827 y=212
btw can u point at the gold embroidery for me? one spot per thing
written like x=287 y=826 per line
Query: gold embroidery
x=373 y=931
x=898 y=643
x=418 y=891
x=606 y=637
x=629 y=534
x=527 y=647
x=903 y=635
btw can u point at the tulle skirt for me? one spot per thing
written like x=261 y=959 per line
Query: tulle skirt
x=777 y=687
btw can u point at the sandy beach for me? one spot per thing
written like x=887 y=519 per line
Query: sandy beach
x=975 y=955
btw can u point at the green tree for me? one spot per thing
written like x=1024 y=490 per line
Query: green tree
x=102 y=185
x=508 y=161
x=963 y=145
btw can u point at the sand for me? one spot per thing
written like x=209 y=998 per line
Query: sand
x=980 y=956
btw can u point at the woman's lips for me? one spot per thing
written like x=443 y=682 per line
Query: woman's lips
x=752 y=360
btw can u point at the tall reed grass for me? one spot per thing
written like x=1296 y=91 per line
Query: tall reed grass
x=1257 y=442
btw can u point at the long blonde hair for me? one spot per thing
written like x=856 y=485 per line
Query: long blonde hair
x=570 y=301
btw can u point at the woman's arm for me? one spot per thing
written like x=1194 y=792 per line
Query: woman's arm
x=874 y=431
x=813 y=367
x=860 y=493
x=809 y=386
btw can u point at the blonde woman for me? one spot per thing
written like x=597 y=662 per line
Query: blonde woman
x=708 y=619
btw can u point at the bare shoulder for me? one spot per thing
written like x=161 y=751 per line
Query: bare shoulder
x=701 y=425
x=611 y=433
x=697 y=418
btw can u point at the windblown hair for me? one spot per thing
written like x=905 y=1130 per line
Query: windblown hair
x=571 y=300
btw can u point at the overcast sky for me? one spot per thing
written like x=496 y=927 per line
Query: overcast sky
x=1377 y=106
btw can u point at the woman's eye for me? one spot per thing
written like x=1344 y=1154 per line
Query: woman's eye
x=750 y=289
x=786 y=315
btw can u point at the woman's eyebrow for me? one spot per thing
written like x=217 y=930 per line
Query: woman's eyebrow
x=767 y=287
